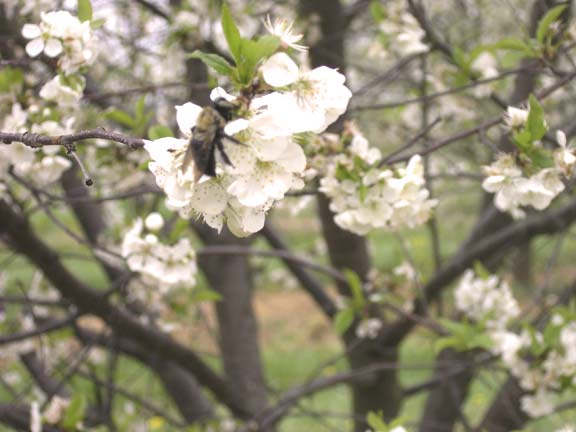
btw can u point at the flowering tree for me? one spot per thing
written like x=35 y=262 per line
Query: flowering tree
x=153 y=155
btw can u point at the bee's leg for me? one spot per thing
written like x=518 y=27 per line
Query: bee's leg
x=220 y=147
x=223 y=135
x=211 y=165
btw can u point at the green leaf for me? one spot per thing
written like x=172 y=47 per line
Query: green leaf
x=540 y=158
x=461 y=59
x=120 y=117
x=355 y=284
x=513 y=44
x=96 y=24
x=480 y=270
x=75 y=81
x=446 y=342
x=376 y=422
x=523 y=140
x=252 y=53
x=74 y=412
x=10 y=79
x=214 y=61
x=547 y=20
x=200 y=295
x=377 y=11
x=536 y=123
x=344 y=319
x=159 y=131
x=84 y=10
x=264 y=48
x=139 y=108
x=231 y=33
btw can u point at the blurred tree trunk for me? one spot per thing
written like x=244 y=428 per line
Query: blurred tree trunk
x=380 y=391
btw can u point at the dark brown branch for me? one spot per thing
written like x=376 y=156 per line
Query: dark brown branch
x=548 y=222
x=33 y=140
x=309 y=283
x=47 y=327
x=25 y=241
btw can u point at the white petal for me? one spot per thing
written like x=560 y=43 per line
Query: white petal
x=186 y=116
x=236 y=126
x=561 y=138
x=53 y=48
x=209 y=197
x=160 y=149
x=280 y=70
x=242 y=222
x=270 y=149
x=293 y=159
x=220 y=93
x=31 y=31
x=34 y=47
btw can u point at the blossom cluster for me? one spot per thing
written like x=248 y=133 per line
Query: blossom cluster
x=517 y=182
x=487 y=299
x=267 y=163
x=60 y=34
x=543 y=362
x=514 y=189
x=166 y=265
x=42 y=172
x=405 y=34
x=365 y=197
x=546 y=374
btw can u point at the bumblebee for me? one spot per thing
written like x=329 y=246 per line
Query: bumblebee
x=207 y=136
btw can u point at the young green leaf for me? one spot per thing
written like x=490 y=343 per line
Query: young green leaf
x=75 y=412
x=97 y=23
x=355 y=284
x=547 y=20
x=480 y=270
x=514 y=44
x=10 y=79
x=84 y=10
x=535 y=122
x=159 y=131
x=344 y=319
x=376 y=422
x=200 y=295
x=231 y=33
x=120 y=117
x=214 y=61
x=377 y=11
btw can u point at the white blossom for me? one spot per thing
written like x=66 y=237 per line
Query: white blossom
x=317 y=98
x=283 y=29
x=61 y=34
x=169 y=265
x=366 y=197
x=516 y=118
x=486 y=65
x=564 y=157
x=513 y=190
x=35 y=417
x=369 y=328
x=487 y=299
x=62 y=93
x=56 y=409
x=405 y=34
x=154 y=222
x=263 y=169
x=539 y=404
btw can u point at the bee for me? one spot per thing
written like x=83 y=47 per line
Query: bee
x=207 y=136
